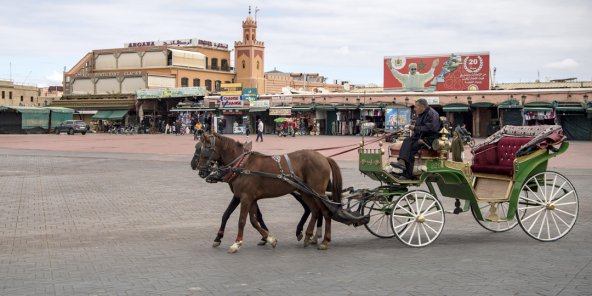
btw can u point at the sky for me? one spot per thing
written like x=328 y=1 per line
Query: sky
x=343 y=40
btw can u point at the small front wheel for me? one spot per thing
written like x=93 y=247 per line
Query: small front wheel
x=379 y=211
x=417 y=218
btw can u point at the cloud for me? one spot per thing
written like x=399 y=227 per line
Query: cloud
x=565 y=64
x=55 y=76
x=344 y=50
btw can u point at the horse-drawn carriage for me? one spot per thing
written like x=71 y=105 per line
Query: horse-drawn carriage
x=506 y=184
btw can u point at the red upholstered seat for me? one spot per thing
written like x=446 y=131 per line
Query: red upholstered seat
x=498 y=158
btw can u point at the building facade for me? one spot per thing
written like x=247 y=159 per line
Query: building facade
x=12 y=94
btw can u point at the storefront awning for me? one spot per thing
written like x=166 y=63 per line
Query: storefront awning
x=371 y=107
x=325 y=107
x=537 y=109
x=510 y=104
x=570 y=107
x=456 y=107
x=346 y=107
x=110 y=114
x=482 y=105
x=253 y=110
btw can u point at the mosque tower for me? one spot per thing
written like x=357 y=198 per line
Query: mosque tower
x=249 y=57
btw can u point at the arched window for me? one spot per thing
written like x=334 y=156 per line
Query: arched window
x=244 y=64
x=257 y=65
x=208 y=85
x=247 y=37
x=184 y=82
x=224 y=65
x=196 y=82
x=217 y=85
x=215 y=64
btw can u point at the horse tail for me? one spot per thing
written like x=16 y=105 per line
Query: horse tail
x=337 y=180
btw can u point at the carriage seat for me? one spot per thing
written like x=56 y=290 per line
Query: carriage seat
x=498 y=158
x=422 y=153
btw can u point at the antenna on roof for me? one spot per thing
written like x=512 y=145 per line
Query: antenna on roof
x=256 y=10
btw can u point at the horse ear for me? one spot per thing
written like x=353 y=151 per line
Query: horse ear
x=248 y=146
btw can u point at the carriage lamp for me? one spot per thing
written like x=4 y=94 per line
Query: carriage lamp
x=443 y=143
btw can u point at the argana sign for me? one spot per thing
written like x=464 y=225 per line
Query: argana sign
x=454 y=72
x=179 y=42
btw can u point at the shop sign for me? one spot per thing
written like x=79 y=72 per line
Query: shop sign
x=232 y=112
x=178 y=42
x=432 y=100
x=260 y=104
x=250 y=94
x=282 y=99
x=280 y=111
x=170 y=93
x=231 y=101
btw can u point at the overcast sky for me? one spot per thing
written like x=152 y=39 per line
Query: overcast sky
x=340 y=39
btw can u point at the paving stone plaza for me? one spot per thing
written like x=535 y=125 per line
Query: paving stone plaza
x=117 y=215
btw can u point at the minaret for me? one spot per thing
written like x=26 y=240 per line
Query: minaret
x=249 y=57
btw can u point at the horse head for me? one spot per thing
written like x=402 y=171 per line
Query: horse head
x=208 y=155
x=196 y=155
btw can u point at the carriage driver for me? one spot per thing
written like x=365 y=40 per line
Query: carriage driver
x=426 y=128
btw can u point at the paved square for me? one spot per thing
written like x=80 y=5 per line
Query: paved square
x=117 y=223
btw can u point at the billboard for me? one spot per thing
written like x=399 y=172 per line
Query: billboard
x=397 y=118
x=446 y=72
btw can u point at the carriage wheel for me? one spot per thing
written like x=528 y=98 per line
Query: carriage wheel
x=379 y=224
x=547 y=206
x=417 y=218
x=494 y=214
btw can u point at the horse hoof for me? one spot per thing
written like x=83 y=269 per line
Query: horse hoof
x=314 y=240
x=272 y=241
x=235 y=247
x=216 y=244
x=299 y=236
x=306 y=242
x=323 y=247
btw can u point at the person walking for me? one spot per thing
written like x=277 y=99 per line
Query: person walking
x=259 y=130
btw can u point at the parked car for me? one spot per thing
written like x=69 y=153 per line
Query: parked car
x=72 y=127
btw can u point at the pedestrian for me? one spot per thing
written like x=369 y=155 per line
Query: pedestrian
x=259 y=130
x=293 y=128
x=247 y=129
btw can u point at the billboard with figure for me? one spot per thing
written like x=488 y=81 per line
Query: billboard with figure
x=446 y=72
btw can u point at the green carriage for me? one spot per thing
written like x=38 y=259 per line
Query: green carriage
x=506 y=184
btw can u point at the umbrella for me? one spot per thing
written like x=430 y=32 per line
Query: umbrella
x=281 y=119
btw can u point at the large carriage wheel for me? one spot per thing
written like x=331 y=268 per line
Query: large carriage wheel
x=497 y=213
x=547 y=206
x=417 y=218
x=379 y=209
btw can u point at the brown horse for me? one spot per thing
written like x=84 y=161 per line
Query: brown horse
x=243 y=168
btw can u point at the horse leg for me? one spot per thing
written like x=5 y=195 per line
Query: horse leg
x=260 y=220
x=304 y=217
x=319 y=232
x=245 y=206
x=325 y=244
x=309 y=230
x=234 y=202
x=265 y=234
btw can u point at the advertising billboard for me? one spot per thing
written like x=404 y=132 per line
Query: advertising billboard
x=397 y=118
x=446 y=72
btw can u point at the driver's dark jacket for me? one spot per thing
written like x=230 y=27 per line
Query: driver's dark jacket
x=427 y=124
